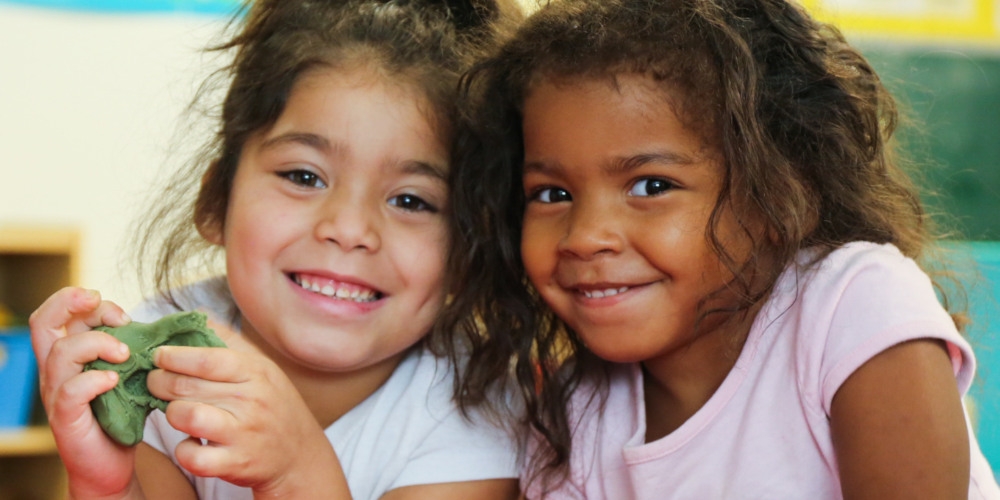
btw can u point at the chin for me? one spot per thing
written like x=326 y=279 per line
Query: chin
x=616 y=353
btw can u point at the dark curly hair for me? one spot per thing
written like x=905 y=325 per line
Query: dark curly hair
x=799 y=118
x=427 y=44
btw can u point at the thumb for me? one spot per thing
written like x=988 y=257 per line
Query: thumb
x=226 y=333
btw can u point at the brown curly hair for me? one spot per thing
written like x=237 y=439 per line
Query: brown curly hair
x=428 y=44
x=798 y=116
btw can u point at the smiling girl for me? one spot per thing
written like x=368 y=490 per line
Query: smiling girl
x=683 y=225
x=327 y=194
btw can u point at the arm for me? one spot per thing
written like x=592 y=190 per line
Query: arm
x=899 y=428
x=160 y=477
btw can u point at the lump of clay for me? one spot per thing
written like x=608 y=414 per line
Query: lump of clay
x=122 y=411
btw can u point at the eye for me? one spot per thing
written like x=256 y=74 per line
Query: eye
x=301 y=177
x=412 y=203
x=551 y=195
x=650 y=187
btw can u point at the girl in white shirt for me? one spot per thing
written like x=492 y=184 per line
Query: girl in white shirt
x=325 y=191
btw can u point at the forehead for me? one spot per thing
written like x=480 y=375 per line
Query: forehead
x=600 y=108
x=625 y=99
x=363 y=103
x=403 y=90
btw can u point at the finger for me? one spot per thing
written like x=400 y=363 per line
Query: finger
x=71 y=310
x=69 y=406
x=170 y=386
x=209 y=363
x=204 y=460
x=201 y=420
x=48 y=322
x=68 y=355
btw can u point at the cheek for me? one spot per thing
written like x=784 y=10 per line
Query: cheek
x=536 y=251
x=424 y=270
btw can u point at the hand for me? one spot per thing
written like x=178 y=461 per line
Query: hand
x=63 y=340
x=258 y=431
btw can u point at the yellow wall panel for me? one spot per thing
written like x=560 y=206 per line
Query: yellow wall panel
x=972 y=20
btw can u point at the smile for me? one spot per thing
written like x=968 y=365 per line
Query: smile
x=336 y=289
x=600 y=294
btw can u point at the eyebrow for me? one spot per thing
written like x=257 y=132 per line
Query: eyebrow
x=623 y=164
x=324 y=145
x=630 y=163
x=434 y=170
x=312 y=140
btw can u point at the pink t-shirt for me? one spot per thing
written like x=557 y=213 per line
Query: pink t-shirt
x=765 y=433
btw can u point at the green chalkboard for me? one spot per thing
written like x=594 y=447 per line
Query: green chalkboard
x=953 y=95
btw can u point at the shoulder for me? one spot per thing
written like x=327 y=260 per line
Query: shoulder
x=864 y=259
x=209 y=295
x=416 y=433
x=860 y=300
x=864 y=281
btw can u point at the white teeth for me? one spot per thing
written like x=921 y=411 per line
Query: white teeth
x=338 y=293
x=600 y=294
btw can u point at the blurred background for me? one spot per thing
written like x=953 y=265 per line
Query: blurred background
x=93 y=97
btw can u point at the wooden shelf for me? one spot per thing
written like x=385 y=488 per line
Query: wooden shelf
x=34 y=263
x=54 y=240
x=35 y=440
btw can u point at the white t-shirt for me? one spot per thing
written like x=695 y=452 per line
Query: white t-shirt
x=408 y=432
x=765 y=433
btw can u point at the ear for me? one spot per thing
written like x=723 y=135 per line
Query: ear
x=211 y=231
x=208 y=226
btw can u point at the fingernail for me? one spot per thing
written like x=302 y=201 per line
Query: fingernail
x=126 y=318
x=93 y=294
x=123 y=348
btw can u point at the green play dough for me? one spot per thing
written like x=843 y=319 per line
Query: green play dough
x=122 y=411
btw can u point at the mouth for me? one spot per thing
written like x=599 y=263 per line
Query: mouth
x=334 y=289
x=603 y=292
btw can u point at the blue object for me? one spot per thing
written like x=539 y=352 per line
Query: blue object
x=983 y=287
x=18 y=377
x=224 y=7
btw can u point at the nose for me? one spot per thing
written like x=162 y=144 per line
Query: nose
x=350 y=223
x=592 y=230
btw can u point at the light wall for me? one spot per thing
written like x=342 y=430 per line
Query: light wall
x=91 y=117
x=90 y=109
x=91 y=105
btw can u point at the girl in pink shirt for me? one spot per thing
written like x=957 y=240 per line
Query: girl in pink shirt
x=684 y=223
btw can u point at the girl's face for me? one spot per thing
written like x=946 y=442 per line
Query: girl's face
x=334 y=237
x=619 y=198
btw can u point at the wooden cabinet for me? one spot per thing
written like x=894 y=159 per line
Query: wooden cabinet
x=30 y=468
x=34 y=263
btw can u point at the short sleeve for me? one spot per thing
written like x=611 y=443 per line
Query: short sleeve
x=876 y=298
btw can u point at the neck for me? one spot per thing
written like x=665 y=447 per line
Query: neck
x=677 y=385
x=328 y=395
